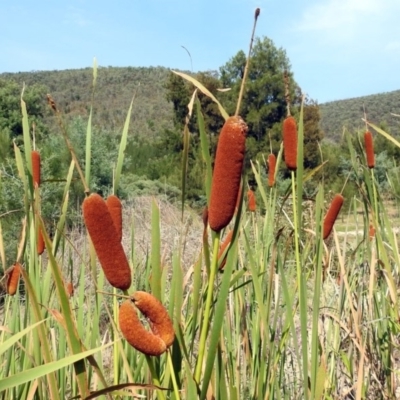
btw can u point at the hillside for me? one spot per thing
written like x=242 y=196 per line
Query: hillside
x=115 y=87
x=151 y=114
x=348 y=113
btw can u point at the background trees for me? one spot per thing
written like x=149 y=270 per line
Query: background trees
x=159 y=111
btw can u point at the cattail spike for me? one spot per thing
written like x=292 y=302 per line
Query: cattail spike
x=109 y=250
x=371 y=232
x=227 y=173
x=369 y=149
x=135 y=333
x=115 y=208
x=13 y=278
x=51 y=102
x=271 y=169
x=251 y=198
x=332 y=214
x=35 y=156
x=162 y=333
x=290 y=143
x=40 y=245
x=160 y=322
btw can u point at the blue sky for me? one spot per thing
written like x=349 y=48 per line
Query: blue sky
x=338 y=48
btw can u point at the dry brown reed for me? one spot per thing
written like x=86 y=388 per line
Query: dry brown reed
x=103 y=234
x=227 y=173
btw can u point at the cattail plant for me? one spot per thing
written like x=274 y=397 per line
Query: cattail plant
x=13 y=278
x=369 y=149
x=40 y=245
x=70 y=289
x=332 y=214
x=227 y=173
x=271 y=169
x=35 y=156
x=251 y=199
x=371 y=232
x=109 y=250
x=289 y=131
x=204 y=217
x=223 y=247
x=162 y=333
x=115 y=208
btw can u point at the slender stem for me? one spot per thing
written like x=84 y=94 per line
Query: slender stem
x=246 y=67
x=173 y=377
x=375 y=195
x=302 y=294
x=156 y=381
x=207 y=310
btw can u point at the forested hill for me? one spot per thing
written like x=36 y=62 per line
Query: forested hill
x=72 y=90
x=348 y=113
x=114 y=90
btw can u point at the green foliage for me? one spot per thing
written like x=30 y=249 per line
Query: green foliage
x=347 y=113
x=290 y=316
x=133 y=186
x=10 y=111
x=313 y=135
x=263 y=103
x=71 y=90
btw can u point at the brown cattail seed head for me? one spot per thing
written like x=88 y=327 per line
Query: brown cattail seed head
x=332 y=214
x=51 y=102
x=109 y=250
x=290 y=142
x=136 y=334
x=115 y=208
x=369 y=149
x=271 y=169
x=371 y=232
x=70 y=289
x=224 y=245
x=251 y=198
x=154 y=311
x=35 y=156
x=40 y=245
x=257 y=13
x=227 y=172
x=13 y=278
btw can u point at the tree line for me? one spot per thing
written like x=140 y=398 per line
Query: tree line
x=160 y=107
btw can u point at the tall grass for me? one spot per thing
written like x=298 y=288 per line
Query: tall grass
x=290 y=315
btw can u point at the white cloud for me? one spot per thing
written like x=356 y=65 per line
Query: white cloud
x=336 y=14
x=339 y=20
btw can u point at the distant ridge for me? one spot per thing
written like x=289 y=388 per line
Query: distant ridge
x=151 y=114
x=115 y=88
x=340 y=114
